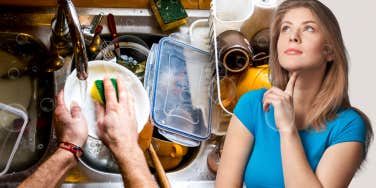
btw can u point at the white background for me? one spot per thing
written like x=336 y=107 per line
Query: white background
x=358 y=24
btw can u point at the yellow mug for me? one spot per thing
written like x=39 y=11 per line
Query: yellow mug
x=253 y=78
x=170 y=154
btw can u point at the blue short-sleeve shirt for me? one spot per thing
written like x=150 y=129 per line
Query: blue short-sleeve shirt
x=264 y=167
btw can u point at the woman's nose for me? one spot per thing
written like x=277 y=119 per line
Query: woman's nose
x=294 y=37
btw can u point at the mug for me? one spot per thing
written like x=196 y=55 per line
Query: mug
x=168 y=149
x=260 y=44
x=261 y=41
x=234 y=50
x=261 y=58
x=170 y=154
x=253 y=78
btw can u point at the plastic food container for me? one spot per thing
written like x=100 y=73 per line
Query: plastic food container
x=179 y=76
x=12 y=126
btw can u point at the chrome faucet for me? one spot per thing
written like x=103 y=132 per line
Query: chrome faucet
x=60 y=41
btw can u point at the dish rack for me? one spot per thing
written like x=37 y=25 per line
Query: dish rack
x=220 y=115
x=236 y=15
x=250 y=13
x=214 y=56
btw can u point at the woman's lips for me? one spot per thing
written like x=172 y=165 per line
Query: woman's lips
x=293 y=51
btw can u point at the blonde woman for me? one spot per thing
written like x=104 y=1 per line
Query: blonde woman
x=303 y=132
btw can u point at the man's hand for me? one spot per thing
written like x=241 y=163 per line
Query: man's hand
x=70 y=126
x=117 y=128
x=117 y=125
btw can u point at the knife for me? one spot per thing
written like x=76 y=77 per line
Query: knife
x=112 y=27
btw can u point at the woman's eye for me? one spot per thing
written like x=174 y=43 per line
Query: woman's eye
x=309 y=28
x=285 y=28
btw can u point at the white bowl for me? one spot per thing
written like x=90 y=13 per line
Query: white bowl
x=98 y=70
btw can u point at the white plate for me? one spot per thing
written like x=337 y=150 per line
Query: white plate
x=97 y=70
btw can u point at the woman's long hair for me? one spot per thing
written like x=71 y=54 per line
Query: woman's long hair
x=333 y=93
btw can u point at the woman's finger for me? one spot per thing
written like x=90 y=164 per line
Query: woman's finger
x=267 y=102
x=290 y=85
x=270 y=98
x=277 y=91
x=274 y=94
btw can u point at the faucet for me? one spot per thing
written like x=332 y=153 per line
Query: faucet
x=61 y=43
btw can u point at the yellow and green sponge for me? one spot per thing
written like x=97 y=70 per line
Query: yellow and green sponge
x=97 y=91
x=169 y=13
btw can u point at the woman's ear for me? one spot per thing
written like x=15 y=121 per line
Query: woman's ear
x=328 y=52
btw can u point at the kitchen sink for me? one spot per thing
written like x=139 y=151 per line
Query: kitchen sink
x=24 y=84
x=194 y=162
x=138 y=22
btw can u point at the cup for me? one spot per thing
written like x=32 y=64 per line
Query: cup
x=227 y=95
x=234 y=50
x=261 y=41
x=168 y=149
x=230 y=15
x=170 y=154
x=253 y=78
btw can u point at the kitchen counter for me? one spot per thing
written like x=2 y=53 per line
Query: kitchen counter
x=36 y=21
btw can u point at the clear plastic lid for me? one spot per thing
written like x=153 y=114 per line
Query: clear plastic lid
x=12 y=126
x=180 y=93
x=150 y=69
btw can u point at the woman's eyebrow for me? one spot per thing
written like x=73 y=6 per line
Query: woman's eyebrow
x=287 y=22
x=303 y=23
x=309 y=21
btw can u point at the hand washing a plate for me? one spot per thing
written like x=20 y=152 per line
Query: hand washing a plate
x=176 y=77
x=96 y=154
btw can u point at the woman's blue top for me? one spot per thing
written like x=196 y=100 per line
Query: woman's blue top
x=264 y=167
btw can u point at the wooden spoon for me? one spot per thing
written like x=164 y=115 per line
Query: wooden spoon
x=144 y=141
x=161 y=174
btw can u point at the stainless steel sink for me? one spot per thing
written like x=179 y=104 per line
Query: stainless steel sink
x=25 y=85
x=140 y=22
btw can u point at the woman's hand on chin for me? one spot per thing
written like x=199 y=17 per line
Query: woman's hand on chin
x=282 y=102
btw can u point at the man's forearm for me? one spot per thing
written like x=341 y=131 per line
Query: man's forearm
x=51 y=172
x=134 y=169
